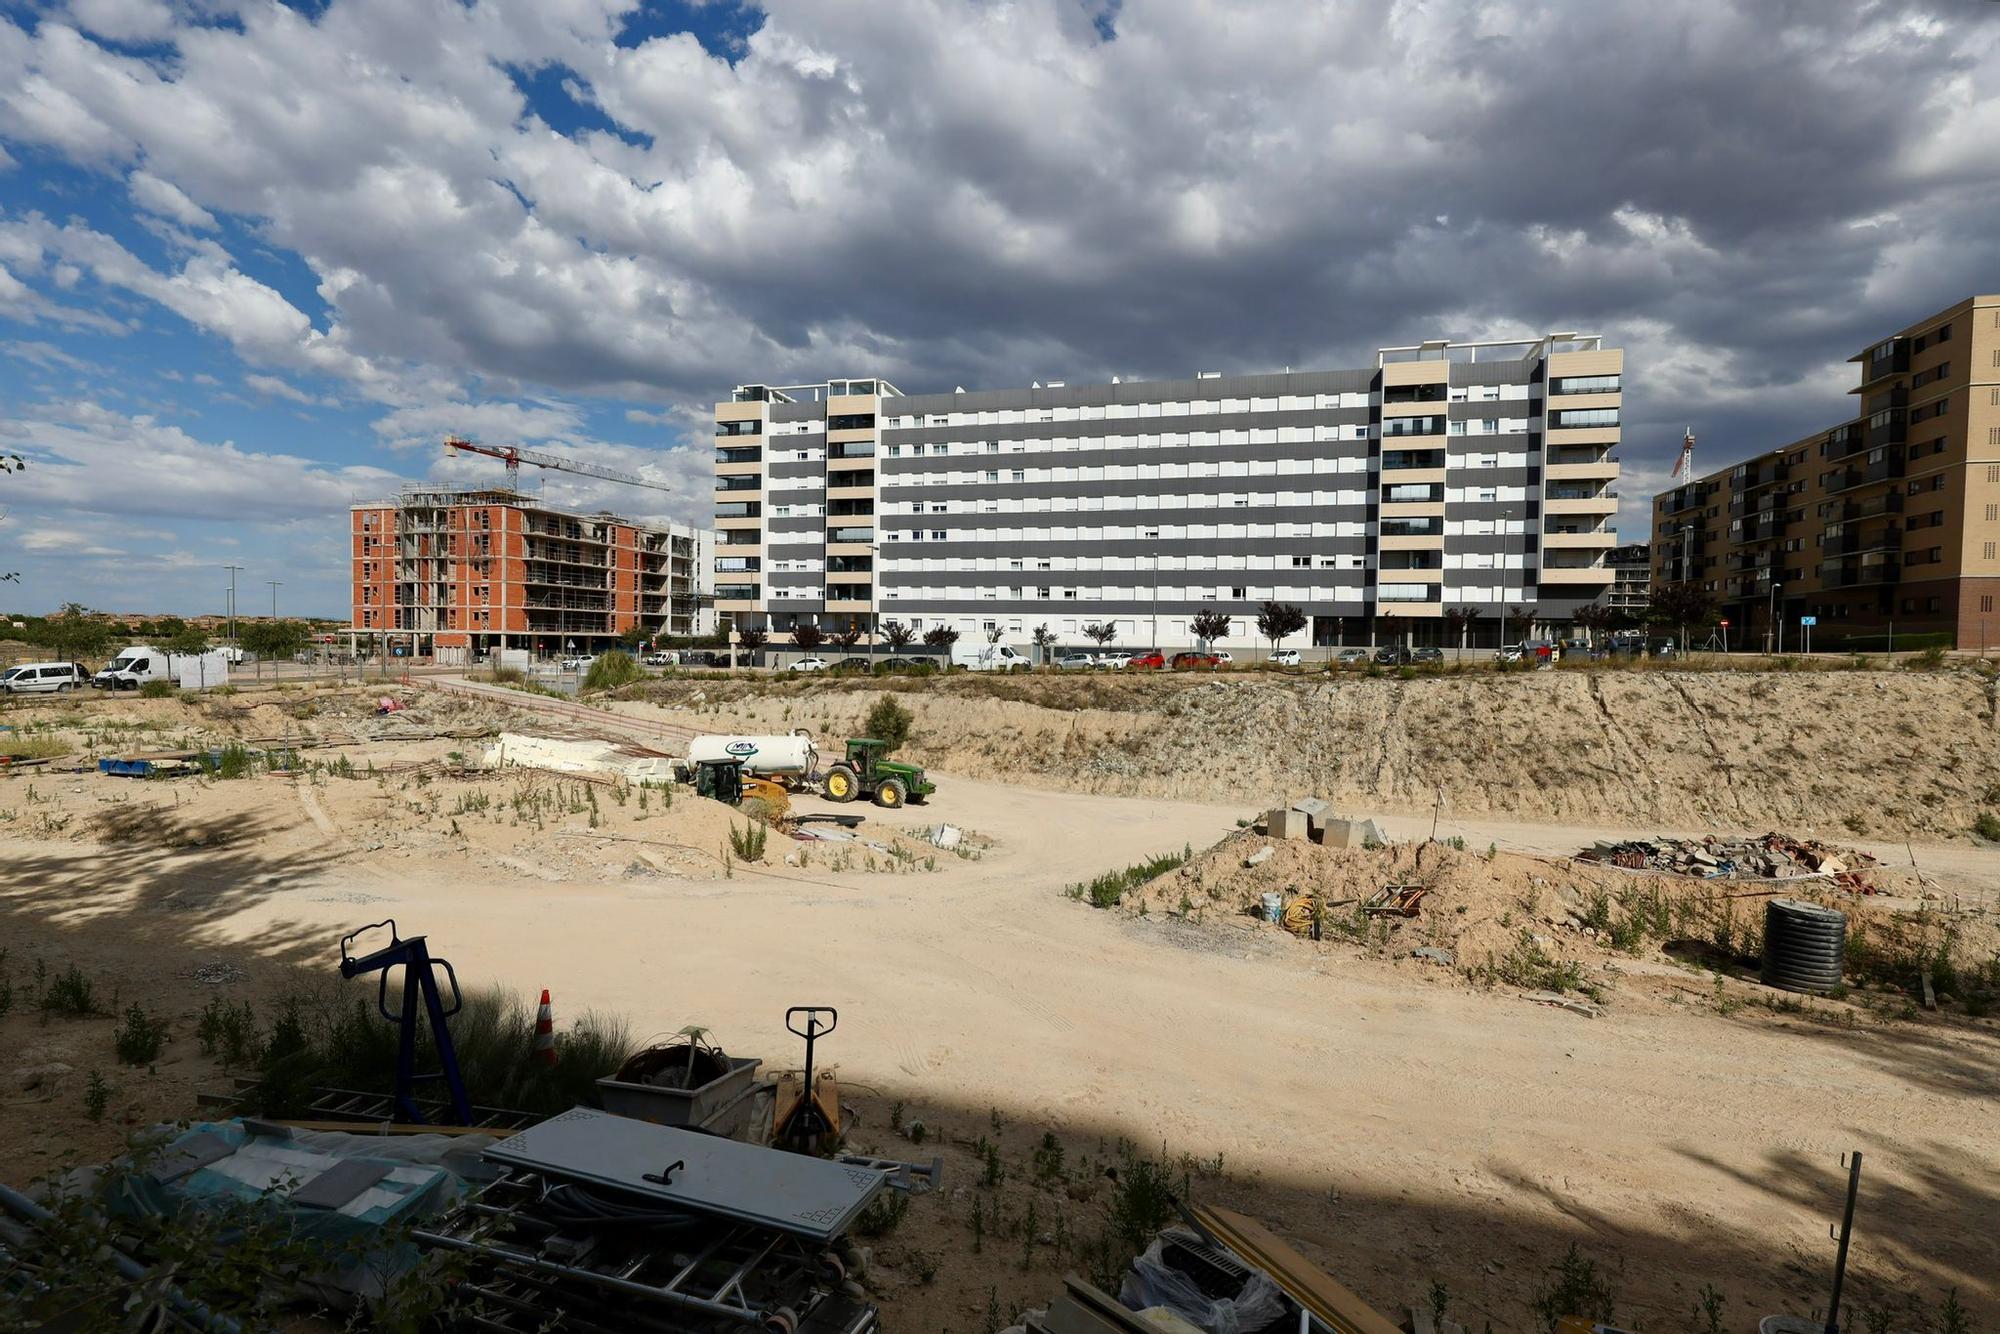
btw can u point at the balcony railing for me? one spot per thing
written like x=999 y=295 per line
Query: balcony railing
x=737 y=592
x=739 y=483
x=1399 y=459
x=850 y=534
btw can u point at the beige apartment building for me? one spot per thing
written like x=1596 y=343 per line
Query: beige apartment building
x=1887 y=521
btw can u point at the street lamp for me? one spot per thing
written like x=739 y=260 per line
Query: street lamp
x=232 y=602
x=1777 y=629
x=1153 y=535
x=275 y=584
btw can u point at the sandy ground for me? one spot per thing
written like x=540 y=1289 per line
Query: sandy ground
x=1401 y=1125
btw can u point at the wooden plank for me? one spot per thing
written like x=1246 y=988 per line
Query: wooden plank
x=1304 y=1281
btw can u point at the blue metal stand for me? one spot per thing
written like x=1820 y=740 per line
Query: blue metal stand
x=419 y=980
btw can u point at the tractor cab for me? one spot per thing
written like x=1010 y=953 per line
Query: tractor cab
x=719 y=780
x=864 y=772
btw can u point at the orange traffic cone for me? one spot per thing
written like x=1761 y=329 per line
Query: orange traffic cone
x=545 y=1032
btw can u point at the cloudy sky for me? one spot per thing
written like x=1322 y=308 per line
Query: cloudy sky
x=256 y=259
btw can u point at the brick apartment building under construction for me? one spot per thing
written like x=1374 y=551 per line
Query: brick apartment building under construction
x=1888 y=520
x=452 y=573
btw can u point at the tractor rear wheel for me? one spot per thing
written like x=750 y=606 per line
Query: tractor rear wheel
x=841 y=783
x=891 y=793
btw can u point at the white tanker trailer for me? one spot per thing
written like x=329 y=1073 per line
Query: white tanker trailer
x=791 y=756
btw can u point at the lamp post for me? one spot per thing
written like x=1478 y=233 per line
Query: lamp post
x=232 y=602
x=1777 y=631
x=1153 y=534
x=275 y=584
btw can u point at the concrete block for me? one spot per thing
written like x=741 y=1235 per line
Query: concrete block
x=1287 y=823
x=1350 y=833
x=1260 y=856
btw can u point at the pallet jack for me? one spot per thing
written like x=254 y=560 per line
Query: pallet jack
x=805 y=1114
x=419 y=981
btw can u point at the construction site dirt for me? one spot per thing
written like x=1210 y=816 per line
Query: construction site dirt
x=1404 y=1117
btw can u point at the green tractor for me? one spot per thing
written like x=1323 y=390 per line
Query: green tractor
x=865 y=773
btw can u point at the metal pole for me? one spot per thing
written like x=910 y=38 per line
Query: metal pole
x=232 y=602
x=275 y=584
x=1846 y=1230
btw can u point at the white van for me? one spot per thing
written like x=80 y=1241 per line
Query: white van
x=44 y=678
x=132 y=668
x=987 y=657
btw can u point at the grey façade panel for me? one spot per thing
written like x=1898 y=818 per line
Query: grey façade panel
x=766 y=1187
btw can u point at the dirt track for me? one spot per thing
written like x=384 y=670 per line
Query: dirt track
x=1401 y=1125
x=1844 y=754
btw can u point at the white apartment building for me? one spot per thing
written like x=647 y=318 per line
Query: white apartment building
x=1470 y=477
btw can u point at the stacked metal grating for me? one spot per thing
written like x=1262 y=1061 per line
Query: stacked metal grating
x=601 y=1225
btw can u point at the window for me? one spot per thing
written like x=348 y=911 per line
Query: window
x=1986 y=602
x=1042 y=593
x=1993 y=514
x=1988 y=552
x=1944 y=333
x=1584 y=384
x=1305 y=562
x=1239 y=593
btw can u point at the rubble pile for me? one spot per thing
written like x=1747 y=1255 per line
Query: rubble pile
x=1770 y=856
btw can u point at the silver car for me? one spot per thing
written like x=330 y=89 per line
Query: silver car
x=1070 y=662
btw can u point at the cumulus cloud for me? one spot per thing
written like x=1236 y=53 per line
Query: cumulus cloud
x=83 y=456
x=943 y=193
x=168 y=201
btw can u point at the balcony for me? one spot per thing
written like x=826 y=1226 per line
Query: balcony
x=851 y=449
x=740 y=454
x=747 y=426
x=1860 y=576
x=1881 y=470
x=1599 y=576
x=1883 y=360
x=1568 y=536
x=1414 y=393
x=738 y=564
x=1682 y=498
x=1851 y=544
x=1430 y=526
x=1397 y=460
x=850 y=536
x=749 y=483
x=1843 y=441
x=1393 y=427
x=742 y=509
x=738 y=592
x=1414 y=493
x=1890 y=502
x=738 y=537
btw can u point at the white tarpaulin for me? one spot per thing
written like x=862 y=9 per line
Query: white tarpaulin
x=200 y=671
x=570 y=755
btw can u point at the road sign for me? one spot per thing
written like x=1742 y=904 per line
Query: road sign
x=1725 y=625
x=1808 y=620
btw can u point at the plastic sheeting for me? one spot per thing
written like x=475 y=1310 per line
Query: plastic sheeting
x=1152 y=1283
x=264 y=1165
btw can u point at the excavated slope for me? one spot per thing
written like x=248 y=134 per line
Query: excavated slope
x=1879 y=753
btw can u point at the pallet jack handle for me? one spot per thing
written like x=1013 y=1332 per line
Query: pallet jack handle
x=811 y=1032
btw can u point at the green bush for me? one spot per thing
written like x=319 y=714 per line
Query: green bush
x=70 y=992
x=140 y=1037
x=611 y=670
x=748 y=842
x=158 y=690
x=1987 y=826
x=889 y=722
x=1107 y=889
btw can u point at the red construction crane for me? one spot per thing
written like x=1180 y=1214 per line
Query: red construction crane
x=514 y=456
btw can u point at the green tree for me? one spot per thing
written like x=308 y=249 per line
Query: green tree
x=848 y=635
x=280 y=641
x=1519 y=622
x=753 y=638
x=1045 y=639
x=897 y=635
x=1209 y=625
x=608 y=671
x=73 y=633
x=889 y=721
x=941 y=638
x=1278 y=620
x=187 y=641
x=1682 y=605
x=1459 y=621
x=806 y=636
x=1100 y=633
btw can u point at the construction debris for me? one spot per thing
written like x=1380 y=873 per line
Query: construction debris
x=1395 y=901
x=1571 y=1003
x=1770 y=856
x=623 y=759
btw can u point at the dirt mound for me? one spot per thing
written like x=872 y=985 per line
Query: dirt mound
x=1545 y=923
x=1842 y=753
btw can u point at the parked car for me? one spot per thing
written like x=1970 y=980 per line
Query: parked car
x=1508 y=653
x=1114 y=660
x=1391 y=655
x=1284 y=657
x=1222 y=657
x=857 y=663
x=1428 y=655
x=899 y=664
x=808 y=665
x=1152 y=661
x=661 y=659
x=1349 y=657
x=44 y=678
x=576 y=664
x=1076 y=662
x=1184 y=661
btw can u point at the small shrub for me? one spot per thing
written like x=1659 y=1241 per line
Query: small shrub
x=883 y=1213
x=140 y=1037
x=1572 y=1286
x=1107 y=889
x=888 y=721
x=1987 y=826
x=1141 y=1200
x=96 y=1096
x=748 y=842
x=70 y=992
x=157 y=690
x=611 y=670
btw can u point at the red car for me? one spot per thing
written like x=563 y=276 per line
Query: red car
x=1145 y=660
x=1183 y=661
